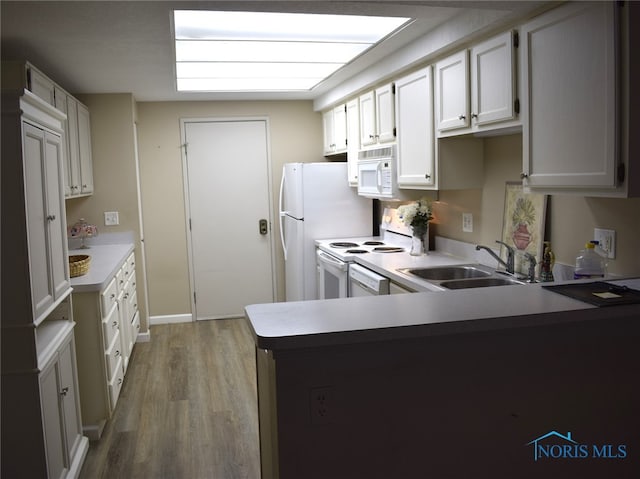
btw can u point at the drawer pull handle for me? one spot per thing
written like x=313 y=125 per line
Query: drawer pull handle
x=117 y=353
x=64 y=391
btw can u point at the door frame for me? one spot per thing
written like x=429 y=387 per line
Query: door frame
x=187 y=206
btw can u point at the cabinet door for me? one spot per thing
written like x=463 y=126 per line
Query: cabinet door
x=452 y=92
x=368 y=119
x=569 y=106
x=61 y=104
x=74 y=145
x=385 y=114
x=340 y=128
x=414 y=110
x=40 y=85
x=49 y=270
x=492 y=80
x=84 y=142
x=70 y=397
x=57 y=226
x=353 y=140
x=329 y=132
x=50 y=392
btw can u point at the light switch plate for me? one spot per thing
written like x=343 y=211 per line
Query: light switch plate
x=606 y=240
x=111 y=218
x=467 y=222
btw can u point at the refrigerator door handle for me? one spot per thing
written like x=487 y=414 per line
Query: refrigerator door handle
x=282 y=215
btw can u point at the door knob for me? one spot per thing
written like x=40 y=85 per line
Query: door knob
x=263 y=226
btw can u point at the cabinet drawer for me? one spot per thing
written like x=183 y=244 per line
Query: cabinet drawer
x=110 y=327
x=129 y=267
x=115 y=385
x=120 y=278
x=132 y=306
x=130 y=287
x=108 y=297
x=114 y=356
x=135 y=327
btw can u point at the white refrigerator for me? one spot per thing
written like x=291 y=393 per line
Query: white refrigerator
x=316 y=202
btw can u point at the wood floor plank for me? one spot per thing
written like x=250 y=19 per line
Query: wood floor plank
x=187 y=408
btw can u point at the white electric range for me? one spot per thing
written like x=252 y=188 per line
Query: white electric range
x=338 y=274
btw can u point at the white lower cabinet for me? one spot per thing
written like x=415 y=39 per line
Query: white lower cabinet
x=108 y=323
x=60 y=403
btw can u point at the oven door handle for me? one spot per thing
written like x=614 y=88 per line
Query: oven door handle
x=327 y=258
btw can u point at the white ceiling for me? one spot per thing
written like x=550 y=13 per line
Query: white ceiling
x=127 y=46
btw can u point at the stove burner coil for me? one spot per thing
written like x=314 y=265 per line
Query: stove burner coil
x=373 y=243
x=387 y=249
x=357 y=251
x=343 y=244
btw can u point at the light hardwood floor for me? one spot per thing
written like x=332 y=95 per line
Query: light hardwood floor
x=187 y=409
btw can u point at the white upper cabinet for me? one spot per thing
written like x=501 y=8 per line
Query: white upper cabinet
x=493 y=80
x=353 y=140
x=414 y=116
x=377 y=116
x=47 y=236
x=335 y=130
x=40 y=85
x=78 y=160
x=569 y=98
x=475 y=90
x=84 y=150
x=452 y=92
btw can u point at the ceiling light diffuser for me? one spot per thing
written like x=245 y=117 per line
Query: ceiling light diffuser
x=250 y=51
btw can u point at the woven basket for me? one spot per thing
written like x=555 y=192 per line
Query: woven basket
x=79 y=264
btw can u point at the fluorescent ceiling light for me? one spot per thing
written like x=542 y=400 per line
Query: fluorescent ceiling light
x=249 y=51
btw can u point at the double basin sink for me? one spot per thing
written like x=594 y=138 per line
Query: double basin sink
x=462 y=276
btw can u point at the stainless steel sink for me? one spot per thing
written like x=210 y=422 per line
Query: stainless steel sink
x=444 y=273
x=479 y=283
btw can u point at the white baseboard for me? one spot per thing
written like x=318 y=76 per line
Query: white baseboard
x=171 y=318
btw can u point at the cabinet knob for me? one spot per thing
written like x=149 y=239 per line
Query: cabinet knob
x=115 y=324
x=51 y=217
x=461 y=117
x=117 y=353
x=64 y=391
x=523 y=176
x=427 y=176
x=473 y=115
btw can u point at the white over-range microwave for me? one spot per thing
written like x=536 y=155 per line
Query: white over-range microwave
x=377 y=176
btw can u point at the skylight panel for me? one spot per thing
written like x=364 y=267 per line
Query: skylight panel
x=249 y=51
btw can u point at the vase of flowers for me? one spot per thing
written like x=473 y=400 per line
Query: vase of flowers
x=417 y=215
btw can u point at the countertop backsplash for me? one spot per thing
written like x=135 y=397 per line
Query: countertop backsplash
x=103 y=239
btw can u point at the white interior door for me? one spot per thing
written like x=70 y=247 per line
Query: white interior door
x=227 y=168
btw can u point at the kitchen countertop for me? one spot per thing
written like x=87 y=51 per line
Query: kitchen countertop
x=105 y=262
x=306 y=324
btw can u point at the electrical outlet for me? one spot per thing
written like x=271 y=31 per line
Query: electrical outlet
x=111 y=218
x=607 y=240
x=320 y=403
x=467 y=222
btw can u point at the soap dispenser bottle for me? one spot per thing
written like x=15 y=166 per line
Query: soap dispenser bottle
x=589 y=264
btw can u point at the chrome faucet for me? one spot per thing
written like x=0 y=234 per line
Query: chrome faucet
x=532 y=267
x=510 y=263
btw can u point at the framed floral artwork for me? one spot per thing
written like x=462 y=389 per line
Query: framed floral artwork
x=523 y=224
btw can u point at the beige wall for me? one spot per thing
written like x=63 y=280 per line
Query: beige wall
x=570 y=219
x=114 y=173
x=296 y=136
